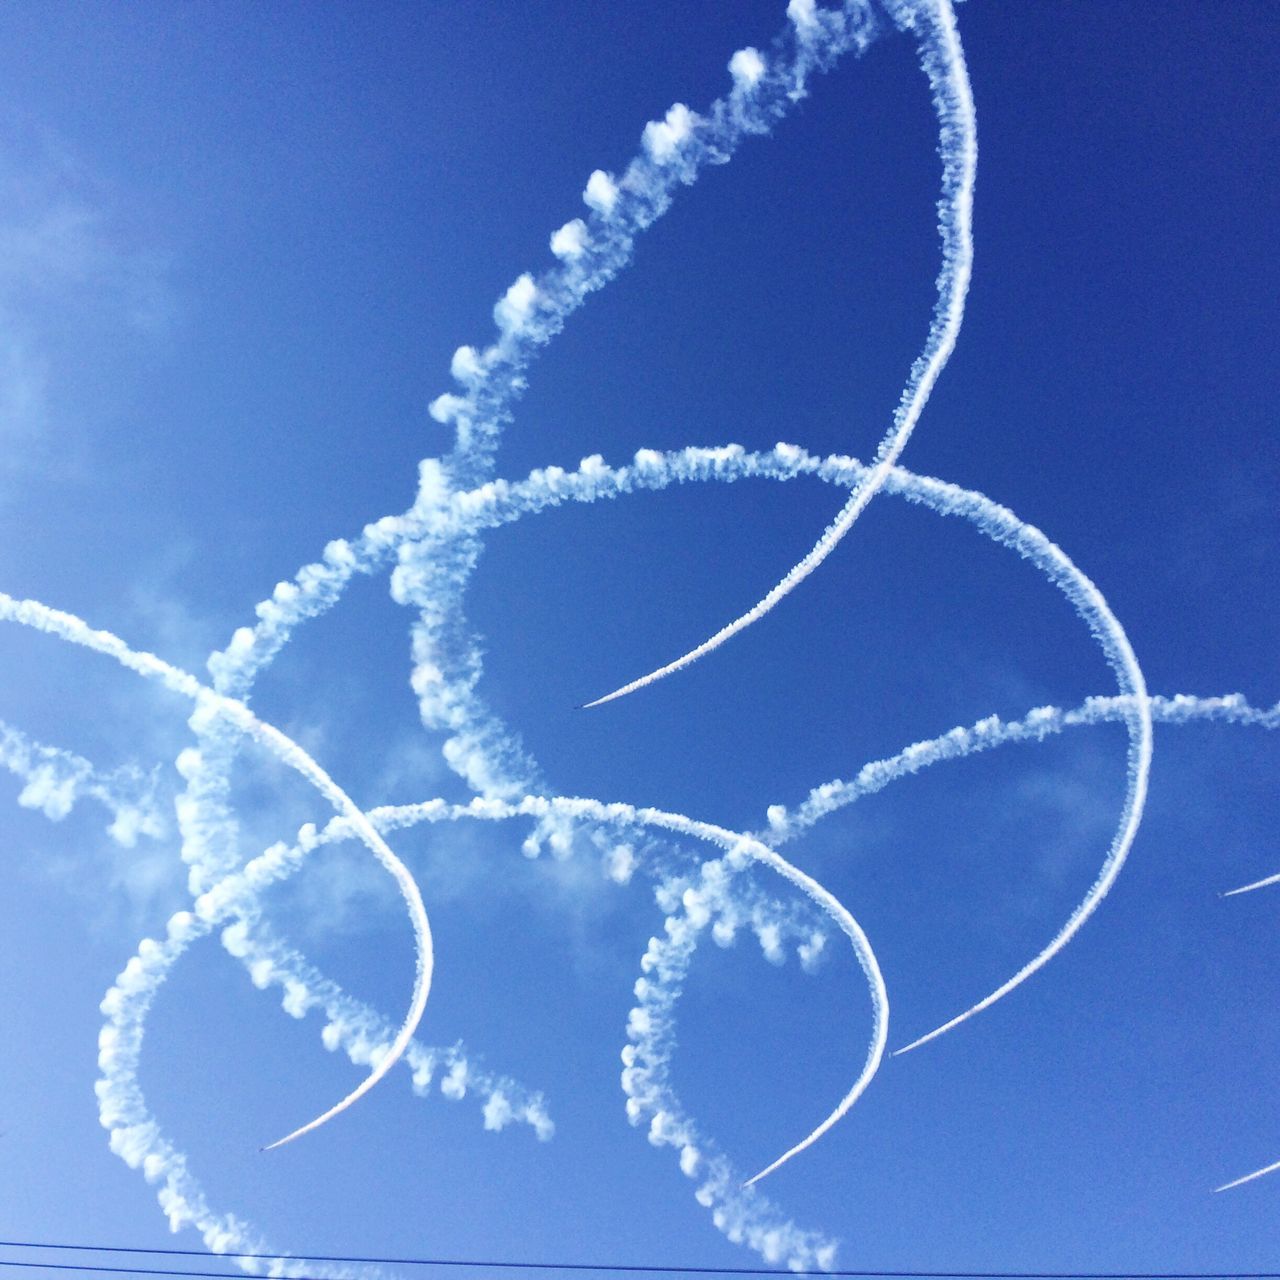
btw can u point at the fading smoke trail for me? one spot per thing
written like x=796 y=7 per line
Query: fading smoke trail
x=480 y=748
x=211 y=706
x=54 y=780
x=942 y=58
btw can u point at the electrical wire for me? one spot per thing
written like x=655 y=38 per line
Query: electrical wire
x=610 y=1267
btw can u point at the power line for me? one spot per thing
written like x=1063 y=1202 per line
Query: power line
x=611 y=1267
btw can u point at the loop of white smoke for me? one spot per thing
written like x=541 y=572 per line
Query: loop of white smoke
x=436 y=544
x=496 y=504
x=211 y=706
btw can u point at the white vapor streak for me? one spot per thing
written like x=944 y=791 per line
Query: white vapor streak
x=1249 y=1177
x=1256 y=884
x=209 y=704
x=494 y=505
x=740 y=849
x=943 y=60
x=55 y=779
x=990 y=732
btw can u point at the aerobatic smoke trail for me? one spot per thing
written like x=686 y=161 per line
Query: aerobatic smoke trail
x=54 y=780
x=655 y=471
x=942 y=57
x=591 y=251
x=210 y=705
x=740 y=849
x=435 y=546
x=1038 y=724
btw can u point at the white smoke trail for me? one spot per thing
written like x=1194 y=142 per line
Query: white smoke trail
x=1256 y=884
x=54 y=780
x=500 y=503
x=531 y=312
x=362 y=1034
x=534 y=309
x=942 y=58
x=134 y=1134
x=740 y=849
x=590 y=253
x=211 y=705
x=1249 y=1177
x=749 y=1217
x=437 y=544
x=697 y=905
x=1038 y=724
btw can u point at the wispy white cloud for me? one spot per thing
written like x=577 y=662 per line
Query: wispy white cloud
x=76 y=275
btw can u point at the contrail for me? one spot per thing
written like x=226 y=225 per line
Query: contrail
x=68 y=627
x=1249 y=1177
x=991 y=732
x=655 y=471
x=1257 y=884
x=943 y=60
x=435 y=546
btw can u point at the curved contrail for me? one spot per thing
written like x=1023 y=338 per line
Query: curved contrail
x=943 y=60
x=66 y=626
x=655 y=471
x=435 y=545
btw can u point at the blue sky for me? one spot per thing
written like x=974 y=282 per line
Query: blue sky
x=239 y=249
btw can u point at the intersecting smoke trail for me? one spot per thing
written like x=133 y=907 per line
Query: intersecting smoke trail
x=591 y=252
x=126 y=1006
x=1249 y=1177
x=942 y=57
x=698 y=906
x=499 y=504
x=362 y=1034
x=479 y=747
x=210 y=706
x=531 y=313
x=432 y=550
x=992 y=732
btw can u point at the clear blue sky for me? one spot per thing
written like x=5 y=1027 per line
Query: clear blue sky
x=239 y=247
